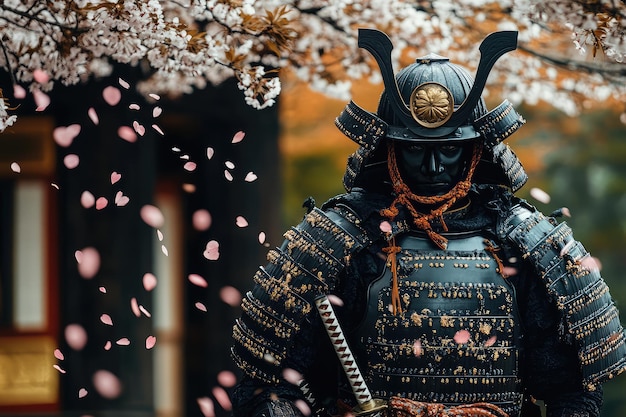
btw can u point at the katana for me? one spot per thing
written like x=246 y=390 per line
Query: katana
x=366 y=404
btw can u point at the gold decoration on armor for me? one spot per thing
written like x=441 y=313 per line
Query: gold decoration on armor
x=431 y=104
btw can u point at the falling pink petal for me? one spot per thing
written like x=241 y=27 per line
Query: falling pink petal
x=158 y=129
x=462 y=336
x=15 y=167
x=175 y=149
x=93 y=116
x=540 y=195
x=201 y=220
x=101 y=203
x=41 y=76
x=185 y=157
x=127 y=133
x=197 y=280
x=190 y=166
x=509 y=271
x=149 y=281
x=71 y=161
x=65 y=135
x=206 y=406
x=112 y=95
x=58 y=354
x=228 y=379
x=144 y=311
x=103 y=290
x=120 y=199
x=134 y=106
x=88 y=262
x=262 y=238
x=212 y=251
x=87 y=199
x=106 y=319
x=75 y=336
x=200 y=306
x=230 y=295
x=123 y=342
x=156 y=112
x=54 y=185
x=107 y=384
x=152 y=216
x=159 y=235
x=164 y=250
x=491 y=341
x=19 y=91
x=150 y=342
x=58 y=368
x=228 y=175
x=385 y=227
x=238 y=137
x=108 y=345
x=123 y=83
x=229 y=165
x=305 y=409
x=189 y=188
x=591 y=263
x=42 y=100
x=566 y=212
x=250 y=177
x=565 y=249
x=334 y=300
x=417 y=348
x=241 y=221
x=210 y=152
x=134 y=306
x=82 y=393
x=155 y=96
x=222 y=398
x=139 y=128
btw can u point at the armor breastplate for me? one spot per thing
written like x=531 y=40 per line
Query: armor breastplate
x=456 y=340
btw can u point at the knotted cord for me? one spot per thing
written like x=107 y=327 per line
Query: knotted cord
x=403 y=407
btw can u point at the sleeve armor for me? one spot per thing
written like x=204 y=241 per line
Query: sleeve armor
x=305 y=266
x=589 y=316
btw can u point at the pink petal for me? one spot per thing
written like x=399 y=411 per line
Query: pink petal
x=58 y=354
x=121 y=200
x=123 y=83
x=41 y=76
x=210 y=152
x=230 y=295
x=197 y=280
x=149 y=281
x=106 y=319
x=250 y=177
x=164 y=250
x=159 y=235
x=190 y=166
x=102 y=290
x=82 y=393
x=41 y=100
x=189 y=188
x=491 y=341
x=334 y=300
x=71 y=161
x=228 y=175
x=19 y=91
x=262 y=238
x=101 y=203
x=385 y=227
x=54 y=185
x=150 y=342
x=155 y=96
x=134 y=306
x=123 y=341
x=107 y=384
x=156 y=112
x=152 y=216
x=540 y=195
x=238 y=137
x=201 y=220
x=417 y=348
x=591 y=263
x=212 y=251
x=139 y=128
x=93 y=116
x=566 y=212
x=15 y=167
x=112 y=95
x=158 y=129
x=107 y=345
x=304 y=408
x=200 y=306
x=87 y=199
x=462 y=336
x=206 y=406
x=144 y=311
x=75 y=336
x=127 y=133
x=509 y=271
x=241 y=221
x=222 y=398
x=88 y=262
x=229 y=165
x=134 y=106
x=58 y=368
x=64 y=135
x=228 y=379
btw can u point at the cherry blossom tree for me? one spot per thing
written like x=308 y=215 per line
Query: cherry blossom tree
x=570 y=51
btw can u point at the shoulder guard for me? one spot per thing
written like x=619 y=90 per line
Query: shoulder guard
x=589 y=315
x=305 y=266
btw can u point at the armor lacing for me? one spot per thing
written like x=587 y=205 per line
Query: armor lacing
x=403 y=407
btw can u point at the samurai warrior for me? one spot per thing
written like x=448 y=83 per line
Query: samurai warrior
x=428 y=288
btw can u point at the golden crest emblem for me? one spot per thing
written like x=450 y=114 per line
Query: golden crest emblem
x=431 y=104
